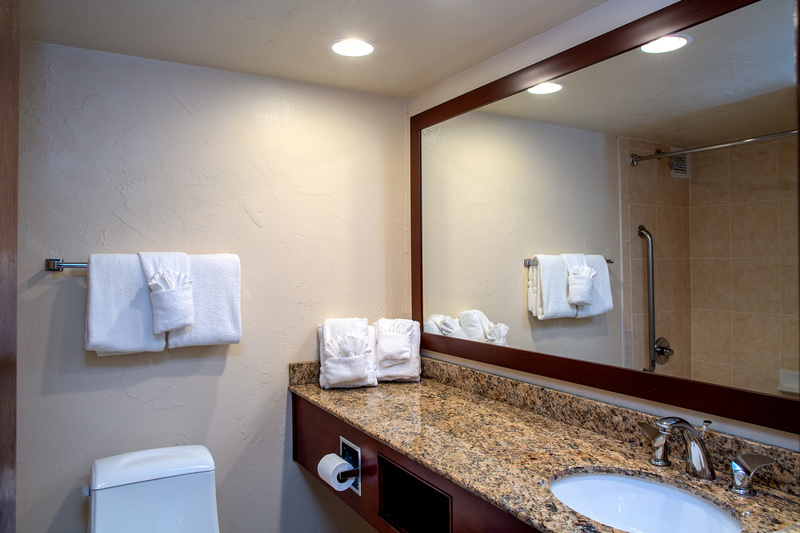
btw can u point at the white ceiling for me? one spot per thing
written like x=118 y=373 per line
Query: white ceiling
x=419 y=43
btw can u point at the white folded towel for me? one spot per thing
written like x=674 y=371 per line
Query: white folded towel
x=432 y=324
x=475 y=324
x=579 y=279
x=547 y=288
x=332 y=332
x=119 y=315
x=217 y=302
x=602 y=301
x=346 y=361
x=398 y=343
x=451 y=328
x=497 y=334
x=171 y=294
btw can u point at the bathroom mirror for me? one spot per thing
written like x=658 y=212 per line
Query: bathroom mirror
x=473 y=221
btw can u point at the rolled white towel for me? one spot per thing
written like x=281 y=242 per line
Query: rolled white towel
x=432 y=324
x=602 y=301
x=497 y=334
x=475 y=324
x=451 y=328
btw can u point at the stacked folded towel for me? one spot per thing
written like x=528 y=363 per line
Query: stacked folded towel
x=470 y=325
x=568 y=286
x=142 y=303
x=347 y=353
x=398 y=342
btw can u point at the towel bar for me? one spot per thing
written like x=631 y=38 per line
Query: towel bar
x=533 y=261
x=57 y=265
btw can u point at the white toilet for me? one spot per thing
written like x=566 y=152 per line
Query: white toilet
x=165 y=490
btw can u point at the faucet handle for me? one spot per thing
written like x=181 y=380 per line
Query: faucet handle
x=658 y=439
x=743 y=468
x=706 y=423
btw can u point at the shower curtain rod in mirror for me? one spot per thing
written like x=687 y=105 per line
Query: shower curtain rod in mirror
x=658 y=155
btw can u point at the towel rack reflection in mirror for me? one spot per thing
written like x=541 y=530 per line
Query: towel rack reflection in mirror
x=57 y=265
x=534 y=261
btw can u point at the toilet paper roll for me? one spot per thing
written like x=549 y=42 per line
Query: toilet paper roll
x=331 y=466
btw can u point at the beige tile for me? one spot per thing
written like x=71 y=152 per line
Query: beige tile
x=674 y=327
x=756 y=341
x=627 y=349
x=638 y=286
x=625 y=172
x=643 y=188
x=626 y=262
x=788 y=234
x=716 y=373
x=756 y=285
x=787 y=167
x=755 y=379
x=754 y=230
x=711 y=284
x=710 y=183
x=711 y=232
x=790 y=343
x=671 y=191
x=711 y=336
x=641 y=215
x=673 y=289
x=671 y=241
x=754 y=172
x=789 y=286
x=639 y=341
x=627 y=307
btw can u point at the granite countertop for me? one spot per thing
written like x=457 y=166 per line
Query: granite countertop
x=508 y=455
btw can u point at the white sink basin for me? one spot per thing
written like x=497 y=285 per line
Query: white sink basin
x=639 y=505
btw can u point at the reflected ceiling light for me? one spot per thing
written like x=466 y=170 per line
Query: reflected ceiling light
x=547 y=87
x=668 y=43
x=352 y=47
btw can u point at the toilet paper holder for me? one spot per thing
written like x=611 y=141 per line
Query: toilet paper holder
x=347 y=474
x=352 y=454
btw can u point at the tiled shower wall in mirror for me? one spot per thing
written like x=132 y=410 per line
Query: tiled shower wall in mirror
x=726 y=261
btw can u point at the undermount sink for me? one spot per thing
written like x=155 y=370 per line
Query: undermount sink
x=640 y=505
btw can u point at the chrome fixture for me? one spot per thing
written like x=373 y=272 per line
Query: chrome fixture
x=660 y=444
x=534 y=261
x=697 y=461
x=659 y=351
x=57 y=265
x=659 y=154
x=742 y=470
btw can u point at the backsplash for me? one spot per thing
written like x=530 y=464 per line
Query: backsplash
x=616 y=422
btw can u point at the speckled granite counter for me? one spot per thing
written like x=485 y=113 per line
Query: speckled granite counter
x=507 y=455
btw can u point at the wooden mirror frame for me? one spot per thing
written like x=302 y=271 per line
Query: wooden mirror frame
x=762 y=409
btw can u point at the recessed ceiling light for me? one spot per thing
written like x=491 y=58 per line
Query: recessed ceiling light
x=547 y=87
x=668 y=43
x=352 y=47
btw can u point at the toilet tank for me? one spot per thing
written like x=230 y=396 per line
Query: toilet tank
x=164 y=490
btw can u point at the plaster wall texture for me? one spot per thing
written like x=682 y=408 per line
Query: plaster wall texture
x=119 y=155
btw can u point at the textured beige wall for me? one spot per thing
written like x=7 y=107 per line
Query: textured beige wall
x=119 y=155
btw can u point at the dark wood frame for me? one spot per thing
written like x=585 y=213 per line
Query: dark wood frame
x=9 y=127
x=737 y=404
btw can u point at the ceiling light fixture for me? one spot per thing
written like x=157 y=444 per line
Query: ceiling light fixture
x=547 y=87
x=352 y=47
x=668 y=43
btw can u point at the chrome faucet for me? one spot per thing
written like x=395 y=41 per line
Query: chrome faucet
x=698 y=463
x=660 y=444
x=742 y=470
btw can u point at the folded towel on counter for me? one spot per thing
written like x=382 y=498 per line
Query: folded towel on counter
x=119 y=315
x=217 y=302
x=398 y=342
x=171 y=291
x=343 y=341
x=579 y=279
x=602 y=302
x=547 y=288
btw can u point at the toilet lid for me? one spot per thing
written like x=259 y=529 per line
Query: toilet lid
x=147 y=465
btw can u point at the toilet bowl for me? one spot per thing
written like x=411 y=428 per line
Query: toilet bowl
x=164 y=490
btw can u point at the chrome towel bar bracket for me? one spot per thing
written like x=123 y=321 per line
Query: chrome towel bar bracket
x=534 y=261
x=57 y=265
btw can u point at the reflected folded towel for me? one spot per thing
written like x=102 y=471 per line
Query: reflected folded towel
x=497 y=334
x=602 y=301
x=451 y=328
x=579 y=279
x=171 y=293
x=398 y=343
x=475 y=324
x=432 y=324
x=217 y=302
x=547 y=288
x=119 y=315
x=347 y=338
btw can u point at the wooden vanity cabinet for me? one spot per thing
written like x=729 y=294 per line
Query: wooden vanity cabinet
x=397 y=494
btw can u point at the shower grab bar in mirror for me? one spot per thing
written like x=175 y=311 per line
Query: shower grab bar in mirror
x=651 y=316
x=534 y=261
x=658 y=155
